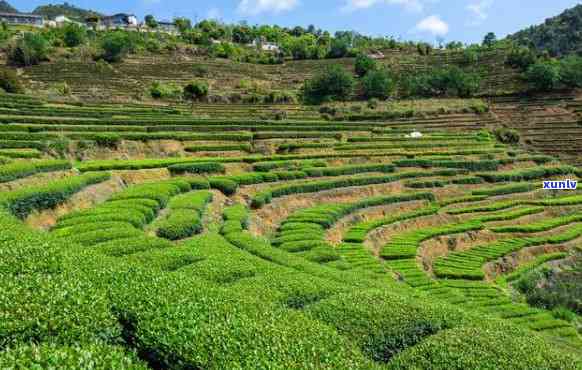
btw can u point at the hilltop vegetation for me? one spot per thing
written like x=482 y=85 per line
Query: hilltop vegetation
x=51 y=11
x=5 y=7
x=557 y=36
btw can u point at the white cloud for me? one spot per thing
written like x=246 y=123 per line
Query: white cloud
x=353 y=5
x=480 y=11
x=434 y=25
x=254 y=7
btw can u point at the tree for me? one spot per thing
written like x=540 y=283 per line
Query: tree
x=183 y=24
x=521 y=57
x=364 y=64
x=115 y=46
x=195 y=90
x=333 y=83
x=489 y=40
x=74 y=35
x=571 y=71
x=378 y=84
x=543 y=75
x=29 y=50
x=150 y=21
x=339 y=48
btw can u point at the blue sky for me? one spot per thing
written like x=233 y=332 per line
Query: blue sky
x=463 y=20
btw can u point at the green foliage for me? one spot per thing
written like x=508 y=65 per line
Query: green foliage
x=498 y=345
x=10 y=82
x=506 y=135
x=470 y=56
x=21 y=169
x=543 y=75
x=571 y=71
x=70 y=357
x=228 y=187
x=382 y=323
x=450 y=81
x=505 y=189
x=53 y=10
x=179 y=224
x=551 y=289
x=364 y=64
x=32 y=48
x=115 y=46
x=74 y=35
x=265 y=197
x=195 y=90
x=108 y=140
x=557 y=36
x=521 y=57
x=527 y=174
x=489 y=40
x=26 y=200
x=378 y=84
x=150 y=21
x=196 y=168
x=160 y=90
x=334 y=83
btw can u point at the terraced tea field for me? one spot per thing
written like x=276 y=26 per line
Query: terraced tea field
x=138 y=236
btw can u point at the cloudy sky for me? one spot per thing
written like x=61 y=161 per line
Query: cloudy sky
x=463 y=20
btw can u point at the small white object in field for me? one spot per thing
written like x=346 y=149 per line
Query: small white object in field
x=415 y=134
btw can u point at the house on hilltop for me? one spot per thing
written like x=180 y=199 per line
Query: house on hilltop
x=168 y=27
x=121 y=20
x=22 y=19
x=63 y=20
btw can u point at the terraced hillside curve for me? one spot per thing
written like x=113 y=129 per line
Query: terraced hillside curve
x=174 y=241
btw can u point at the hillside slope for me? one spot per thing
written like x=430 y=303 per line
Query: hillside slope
x=558 y=35
x=143 y=237
x=5 y=7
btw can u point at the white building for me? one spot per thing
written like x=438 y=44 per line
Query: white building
x=22 y=19
x=264 y=46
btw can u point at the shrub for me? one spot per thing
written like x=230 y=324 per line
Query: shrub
x=364 y=64
x=228 y=187
x=74 y=35
x=29 y=50
x=24 y=201
x=10 y=82
x=334 y=83
x=196 y=168
x=180 y=224
x=195 y=90
x=498 y=345
x=159 y=90
x=378 y=84
x=63 y=89
x=383 y=323
x=115 y=46
x=451 y=81
x=108 y=140
x=470 y=56
x=571 y=71
x=199 y=71
x=373 y=103
x=543 y=76
x=21 y=169
x=521 y=57
x=507 y=135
